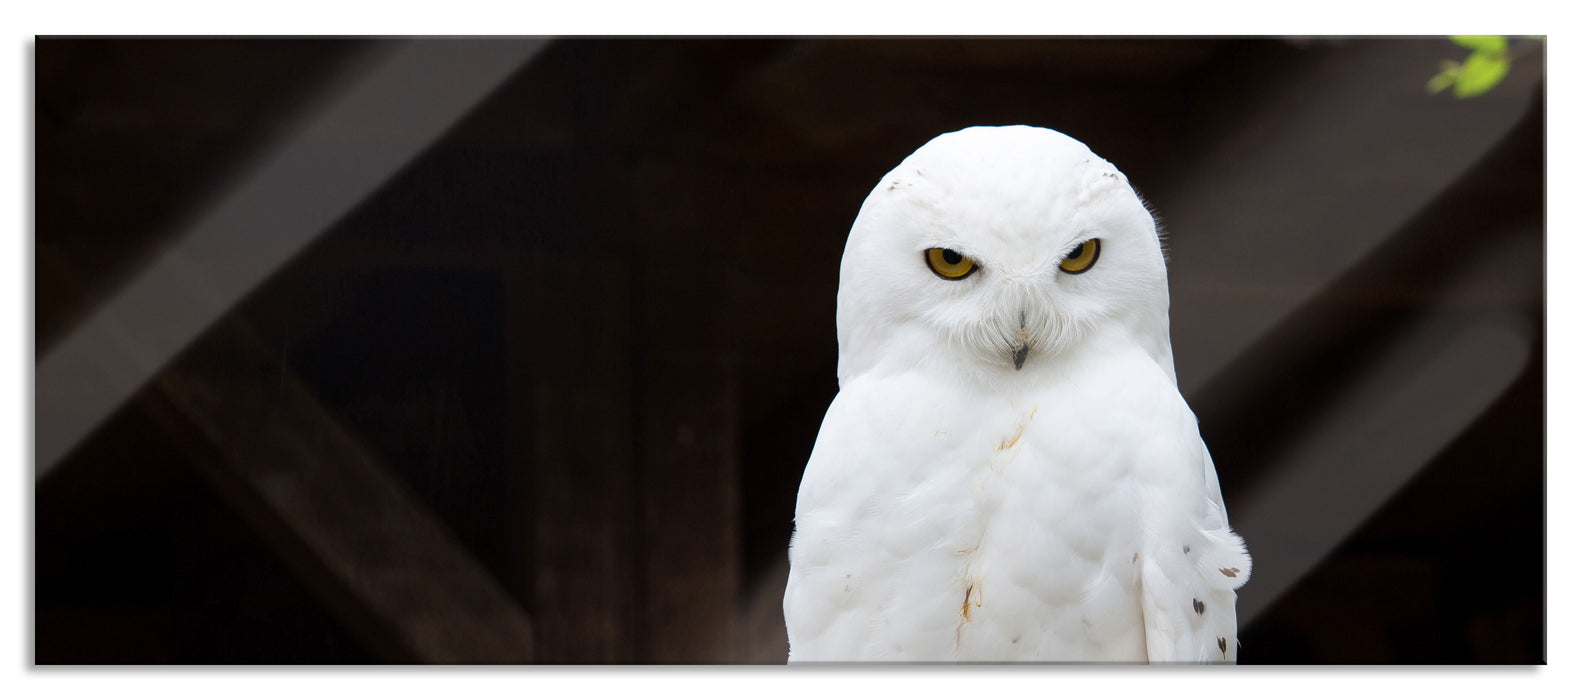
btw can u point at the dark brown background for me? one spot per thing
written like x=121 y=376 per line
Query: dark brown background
x=546 y=395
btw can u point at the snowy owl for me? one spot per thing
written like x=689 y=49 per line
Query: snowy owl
x=1009 y=472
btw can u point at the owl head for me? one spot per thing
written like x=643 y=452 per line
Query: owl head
x=1000 y=253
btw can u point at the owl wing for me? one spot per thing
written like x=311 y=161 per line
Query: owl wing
x=1190 y=574
x=842 y=573
x=875 y=544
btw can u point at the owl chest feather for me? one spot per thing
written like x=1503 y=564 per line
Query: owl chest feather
x=992 y=526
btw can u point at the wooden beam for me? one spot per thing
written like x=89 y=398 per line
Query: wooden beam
x=287 y=200
x=576 y=446
x=687 y=477
x=359 y=537
x=687 y=407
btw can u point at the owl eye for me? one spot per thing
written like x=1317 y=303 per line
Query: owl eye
x=1081 y=259
x=948 y=263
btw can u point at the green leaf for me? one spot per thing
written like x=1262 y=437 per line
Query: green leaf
x=1481 y=44
x=1481 y=73
x=1445 y=79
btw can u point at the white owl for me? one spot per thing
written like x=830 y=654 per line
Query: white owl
x=1009 y=472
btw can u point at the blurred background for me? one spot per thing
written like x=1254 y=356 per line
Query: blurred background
x=512 y=351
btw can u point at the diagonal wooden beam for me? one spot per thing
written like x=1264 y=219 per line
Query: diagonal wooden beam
x=1250 y=244
x=381 y=561
x=381 y=118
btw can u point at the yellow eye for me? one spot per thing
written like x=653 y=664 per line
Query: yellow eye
x=1081 y=260
x=948 y=263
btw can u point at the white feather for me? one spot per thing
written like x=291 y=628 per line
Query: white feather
x=957 y=508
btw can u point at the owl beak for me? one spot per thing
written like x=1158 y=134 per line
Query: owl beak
x=1020 y=347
